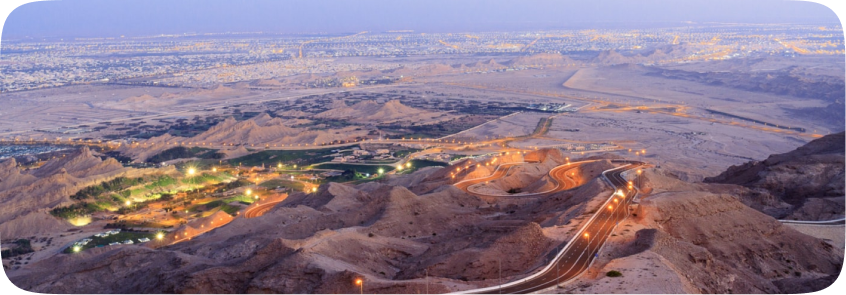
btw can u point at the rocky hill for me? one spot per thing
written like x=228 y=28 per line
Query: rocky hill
x=27 y=196
x=804 y=184
x=542 y=59
x=391 y=236
x=373 y=111
x=259 y=131
x=395 y=236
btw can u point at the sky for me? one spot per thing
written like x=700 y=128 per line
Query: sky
x=110 y=18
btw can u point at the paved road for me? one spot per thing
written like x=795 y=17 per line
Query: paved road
x=260 y=209
x=499 y=172
x=577 y=256
x=820 y=222
x=560 y=175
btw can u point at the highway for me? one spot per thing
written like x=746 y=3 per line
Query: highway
x=819 y=222
x=584 y=247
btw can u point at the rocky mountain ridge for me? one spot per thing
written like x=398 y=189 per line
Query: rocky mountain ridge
x=804 y=184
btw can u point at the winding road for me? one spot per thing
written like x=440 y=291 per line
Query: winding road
x=584 y=247
x=559 y=175
x=260 y=209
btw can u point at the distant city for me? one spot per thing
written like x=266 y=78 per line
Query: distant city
x=204 y=60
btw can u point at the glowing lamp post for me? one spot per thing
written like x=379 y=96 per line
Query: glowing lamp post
x=191 y=172
x=360 y=284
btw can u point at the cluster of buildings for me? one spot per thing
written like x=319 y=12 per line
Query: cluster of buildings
x=108 y=233
x=198 y=60
x=358 y=155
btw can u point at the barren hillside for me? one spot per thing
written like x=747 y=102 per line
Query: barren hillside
x=700 y=237
x=27 y=196
x=805 y=184
x=372 y=111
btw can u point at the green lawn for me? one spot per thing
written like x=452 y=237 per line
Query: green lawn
x=230 y=209
x=239 y=198
x=417 y=164
x=358 y=168
x=274 y=157
x=119 y=237
x=273 y=183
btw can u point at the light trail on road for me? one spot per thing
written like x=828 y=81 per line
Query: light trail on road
x=584 y=248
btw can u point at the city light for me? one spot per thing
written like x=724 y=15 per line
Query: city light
x=191 y=171
x=76 y=248
x=160 y=236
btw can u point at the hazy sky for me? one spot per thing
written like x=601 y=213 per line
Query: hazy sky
x=90 y=18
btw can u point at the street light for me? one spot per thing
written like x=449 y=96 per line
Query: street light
x=159 y=236
x=76 y=248
x=191 y=172
x=360 y=284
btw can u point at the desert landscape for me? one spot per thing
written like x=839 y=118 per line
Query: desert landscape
x=686 y=157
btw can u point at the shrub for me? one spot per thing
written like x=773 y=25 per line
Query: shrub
x=614 y=274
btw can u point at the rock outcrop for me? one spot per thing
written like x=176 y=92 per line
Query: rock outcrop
x=804 y=184
x=27 y=196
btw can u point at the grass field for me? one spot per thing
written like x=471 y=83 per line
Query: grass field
x=273 y=158
x=372 y=169
x=273 y=183
x=119 y=237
